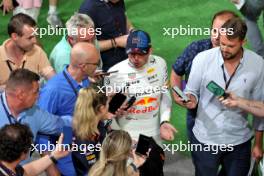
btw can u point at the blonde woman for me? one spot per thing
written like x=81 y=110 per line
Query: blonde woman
x=115 y=152
x=91 y=110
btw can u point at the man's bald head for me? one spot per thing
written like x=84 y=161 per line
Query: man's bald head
x=82 y=53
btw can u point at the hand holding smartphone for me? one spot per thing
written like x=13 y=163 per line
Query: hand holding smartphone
x=116 y=102
x=130 y=102
x=216 y=89
x=143 y=145
x=180 y=93
x=102 y=73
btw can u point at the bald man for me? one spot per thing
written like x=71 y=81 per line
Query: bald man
x=59 y=95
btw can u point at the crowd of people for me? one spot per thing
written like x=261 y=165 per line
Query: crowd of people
x=85 y=71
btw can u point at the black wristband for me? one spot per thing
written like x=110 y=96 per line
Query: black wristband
x=114 y=43
x=53 y=159
x=165 y=121
x=134 y=167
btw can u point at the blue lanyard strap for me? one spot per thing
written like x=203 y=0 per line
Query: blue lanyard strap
x=9 y=116
x=69 y=81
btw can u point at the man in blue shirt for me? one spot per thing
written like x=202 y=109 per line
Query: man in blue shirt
x=17 y=104
x=60 y=93
x=182 y=65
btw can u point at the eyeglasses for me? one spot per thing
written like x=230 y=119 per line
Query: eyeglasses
x=95 y=64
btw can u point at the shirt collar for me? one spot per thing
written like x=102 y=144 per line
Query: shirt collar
x=3 y=51
x=4 y=55
x=66 y=42
x=242 y=60
x=8 y=110
x=5 y=102
x=221 y=59
x=85 y=82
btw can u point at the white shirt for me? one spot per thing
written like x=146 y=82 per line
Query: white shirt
x=214 y=123
x=153 y=101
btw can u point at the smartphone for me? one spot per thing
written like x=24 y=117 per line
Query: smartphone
x=180 y=93
x=67 y=135
x=107 y=73
x=108 y=122
x=216 y=89
x=110 y=72
x=143 y=145
x=130 y=102
x=116 y=102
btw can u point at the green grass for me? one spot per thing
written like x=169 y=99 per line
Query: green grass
x=151 y=16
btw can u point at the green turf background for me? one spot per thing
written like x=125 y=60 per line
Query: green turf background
x=151 y=16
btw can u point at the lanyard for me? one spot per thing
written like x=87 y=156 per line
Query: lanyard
x=3 y=172
x=69 y=81
x=7 y=172
x=231 y=77
x=9 y=116
x=10 y=68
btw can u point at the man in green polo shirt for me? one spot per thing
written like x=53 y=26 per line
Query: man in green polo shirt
x=80 y=28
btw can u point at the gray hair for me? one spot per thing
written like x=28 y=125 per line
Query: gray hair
x=76 y=21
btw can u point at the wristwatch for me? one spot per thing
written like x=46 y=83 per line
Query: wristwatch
x=53 y=159
x=165 y=121
x=134 y=167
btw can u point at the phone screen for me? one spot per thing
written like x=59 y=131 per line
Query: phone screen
x=215 y=89
x=116 y=102
x=110 y=72
x=130 y=102
x=180 y=93
x=67 y=135
x=102 y=73
x=143 y=145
